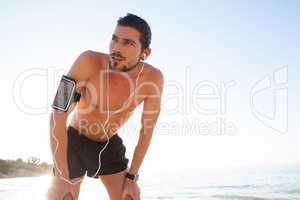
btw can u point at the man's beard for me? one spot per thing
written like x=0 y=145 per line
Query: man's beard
x=124 y=68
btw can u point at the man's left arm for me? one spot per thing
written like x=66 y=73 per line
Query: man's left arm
x=150 y=115
x=151 y=111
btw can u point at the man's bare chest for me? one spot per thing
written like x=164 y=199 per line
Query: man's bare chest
x=113 y=92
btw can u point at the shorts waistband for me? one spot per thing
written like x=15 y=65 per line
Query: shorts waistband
x=84 y=137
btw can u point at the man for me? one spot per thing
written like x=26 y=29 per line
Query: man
x=108 y=89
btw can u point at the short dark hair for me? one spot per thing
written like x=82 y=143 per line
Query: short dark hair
x=140 y=25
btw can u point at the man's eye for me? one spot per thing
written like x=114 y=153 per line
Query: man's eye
x=127 y=42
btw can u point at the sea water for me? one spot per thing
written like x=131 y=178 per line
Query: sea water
x=272 y=183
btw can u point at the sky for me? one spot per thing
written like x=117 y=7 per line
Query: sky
x=231 y=73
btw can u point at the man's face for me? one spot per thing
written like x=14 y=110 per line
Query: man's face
x=125 y=47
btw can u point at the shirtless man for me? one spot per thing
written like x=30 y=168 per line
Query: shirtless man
x=110 y=87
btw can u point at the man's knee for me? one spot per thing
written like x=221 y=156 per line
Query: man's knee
x=61 y=190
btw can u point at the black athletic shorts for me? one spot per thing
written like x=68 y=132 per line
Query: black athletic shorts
x=83 y=155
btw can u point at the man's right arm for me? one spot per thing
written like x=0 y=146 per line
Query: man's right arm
x=80 y=72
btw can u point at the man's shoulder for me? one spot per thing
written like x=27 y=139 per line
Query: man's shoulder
x=86 y=64
x=94 y=56
x=154 y=80
x=94 y=59
x=153 y=73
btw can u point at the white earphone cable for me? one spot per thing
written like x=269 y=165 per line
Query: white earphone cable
x=108 y=115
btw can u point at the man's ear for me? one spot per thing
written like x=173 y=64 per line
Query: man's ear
x=146 y=53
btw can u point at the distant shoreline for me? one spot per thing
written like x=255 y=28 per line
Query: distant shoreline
x=19 y=168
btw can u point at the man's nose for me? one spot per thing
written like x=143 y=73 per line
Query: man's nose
x=117 y=47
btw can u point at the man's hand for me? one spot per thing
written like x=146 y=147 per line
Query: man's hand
x=131 y=190
x=61 y=188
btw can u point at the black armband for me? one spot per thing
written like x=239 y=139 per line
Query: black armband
x=66 y=94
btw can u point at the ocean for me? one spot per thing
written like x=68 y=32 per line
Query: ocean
x=268 y=183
